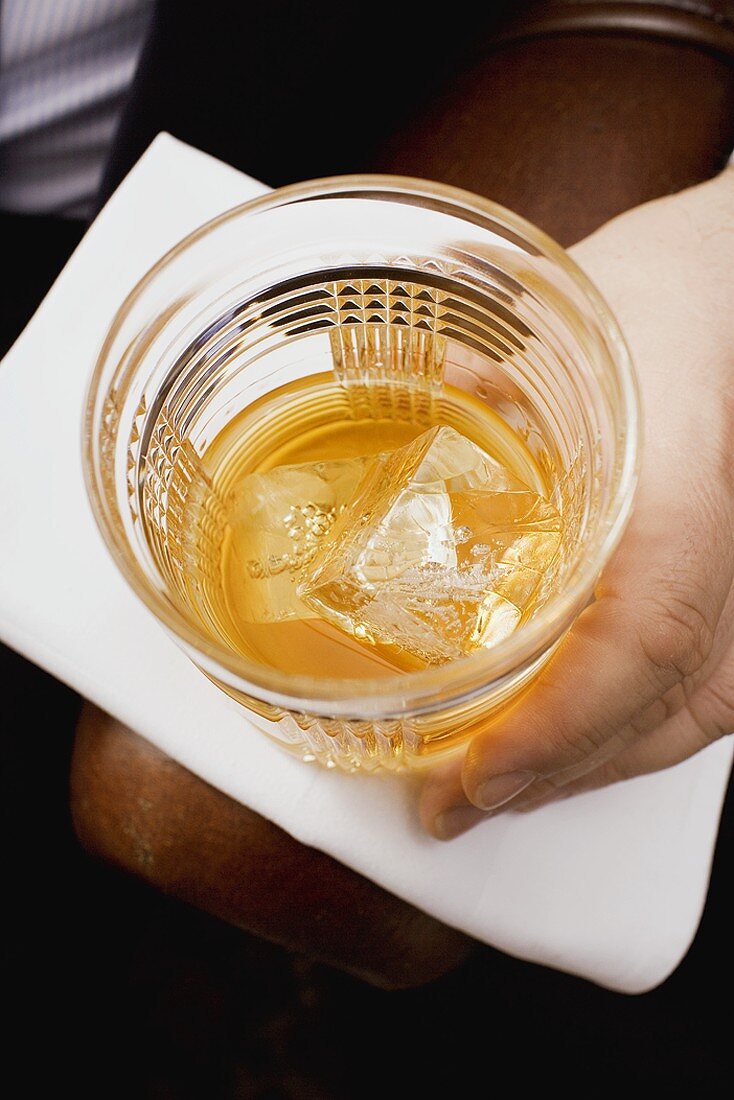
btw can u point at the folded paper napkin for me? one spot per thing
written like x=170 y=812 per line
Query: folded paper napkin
x=609 y=885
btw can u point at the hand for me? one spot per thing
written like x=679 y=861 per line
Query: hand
x=646 y=676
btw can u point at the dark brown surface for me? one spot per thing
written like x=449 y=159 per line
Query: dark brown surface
x=568 y=131
x=137 y=808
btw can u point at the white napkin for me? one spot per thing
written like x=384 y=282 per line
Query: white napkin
x=609 y=886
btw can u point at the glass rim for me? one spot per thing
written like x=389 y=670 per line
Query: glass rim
x=405 y=693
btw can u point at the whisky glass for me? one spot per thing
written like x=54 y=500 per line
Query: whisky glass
x=314 y=277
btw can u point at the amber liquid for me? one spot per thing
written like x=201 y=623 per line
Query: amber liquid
x=315 y=420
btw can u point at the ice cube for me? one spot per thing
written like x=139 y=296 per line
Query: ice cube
x=441 y=551
x=277 y=521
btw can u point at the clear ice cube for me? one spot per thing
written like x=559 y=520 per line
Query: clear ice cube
x=277 y=521
x=441 y=551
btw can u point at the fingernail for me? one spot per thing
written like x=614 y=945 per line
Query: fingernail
x=499 y=789
x=452 y=823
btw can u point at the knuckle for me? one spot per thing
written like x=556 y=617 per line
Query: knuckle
x=665 y=707
x=715 y=718
x=568 y=747
x=677 y=641
x=562 y=740
x=616 y=770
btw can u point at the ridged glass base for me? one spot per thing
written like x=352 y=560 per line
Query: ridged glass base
x=407 y=744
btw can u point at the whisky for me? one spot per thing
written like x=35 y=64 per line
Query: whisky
x=269 y=457
x=288 y=473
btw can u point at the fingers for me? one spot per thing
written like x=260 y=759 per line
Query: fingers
x=612 y=680
x=707 y=716
x=445 y=811
x=612 y=668
x=631 y=659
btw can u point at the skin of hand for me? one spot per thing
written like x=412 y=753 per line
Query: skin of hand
x=645 y=678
